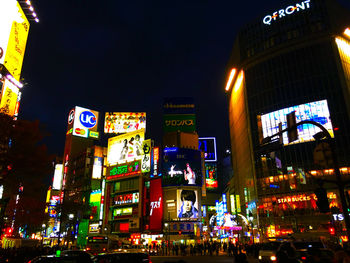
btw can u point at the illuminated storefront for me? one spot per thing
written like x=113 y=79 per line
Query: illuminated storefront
x=286 y=63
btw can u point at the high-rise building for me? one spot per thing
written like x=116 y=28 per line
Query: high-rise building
x=293 y=58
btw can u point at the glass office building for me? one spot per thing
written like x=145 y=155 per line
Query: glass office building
x=294 y=58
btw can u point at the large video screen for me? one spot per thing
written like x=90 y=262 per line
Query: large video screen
x=315 y=111
x=187 y=203
x=181 y=167
x=126 y=147
x=122 y=122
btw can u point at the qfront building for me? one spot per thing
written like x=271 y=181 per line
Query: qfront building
x=294 y=58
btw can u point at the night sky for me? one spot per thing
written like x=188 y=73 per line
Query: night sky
x=112 y=55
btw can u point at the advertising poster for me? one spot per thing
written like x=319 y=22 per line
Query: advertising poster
x=155 y=162
x=85 y=122
x=314 y=111
x=181 y=167
x=14 y=28
x=123 y=122
x=8 y=98
x=146 y=156
x=156 y=205
x=208 y=146
x=126 y=147
x=211 y=179
x=179 y=105
x=187 y=203
x=179 y=122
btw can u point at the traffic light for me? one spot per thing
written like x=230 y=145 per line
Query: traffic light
x=331 y=231
x=322 y=200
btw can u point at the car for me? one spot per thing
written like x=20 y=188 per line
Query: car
x=61 y=259
x=122 y=257
x=322 y=254
x=268 y=251
x=153 y=251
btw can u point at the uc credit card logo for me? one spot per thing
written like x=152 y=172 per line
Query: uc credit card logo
x=87 y=119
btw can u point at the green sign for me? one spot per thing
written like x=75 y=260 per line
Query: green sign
x=179 y=122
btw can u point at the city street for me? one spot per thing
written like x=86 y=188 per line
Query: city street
x=195 y=259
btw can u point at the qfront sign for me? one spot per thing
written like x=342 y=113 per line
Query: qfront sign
x=289 y=10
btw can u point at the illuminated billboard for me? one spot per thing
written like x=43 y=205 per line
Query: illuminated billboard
x=179 y=105
x=122 y=122
x=84 y=121
x=181 y=167
x=314 y=111
x=146 y=156
x=57 y=178
x=121 y=170
x=155 y=162
x=211 y=179
x=14 y=28
x=126 y=147
x=8 y=97
x=156 y=205
x=187 y=203
x=95 y=204
x=208 y=146
x=132 y=198
x=179 y=122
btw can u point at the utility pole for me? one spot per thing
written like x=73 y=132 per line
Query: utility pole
x=338 y=180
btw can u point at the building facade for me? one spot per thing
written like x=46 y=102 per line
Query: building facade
x=294 y=58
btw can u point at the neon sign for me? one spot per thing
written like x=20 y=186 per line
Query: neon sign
x=117 y=171
x=289 y=10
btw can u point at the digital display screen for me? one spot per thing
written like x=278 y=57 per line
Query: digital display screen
x=208 y=146
x=314 y=111
x=181 y=167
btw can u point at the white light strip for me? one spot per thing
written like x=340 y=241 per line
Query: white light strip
x=14 y=81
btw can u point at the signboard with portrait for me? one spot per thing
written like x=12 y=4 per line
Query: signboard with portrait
x=181 y=167
x=123 y=122
x=314 y=111
x=156 y=205
x=208 y=146
x=187 y=204
x=126 y=147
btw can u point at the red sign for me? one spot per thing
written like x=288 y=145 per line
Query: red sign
x=156 y=205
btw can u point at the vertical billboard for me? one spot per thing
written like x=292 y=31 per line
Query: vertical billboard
x=211 y=179
x=9 y=97
x=57 y=178
x=156 y=205
x=187 y=203
x=126 y=147
x=146 y=156
x=208 y=146
x=14 y=28
x=181 y=167
x=123 y=122
x=314 y=111
x=155 y=163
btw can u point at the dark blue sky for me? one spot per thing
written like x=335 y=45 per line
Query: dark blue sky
x=113 y=55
